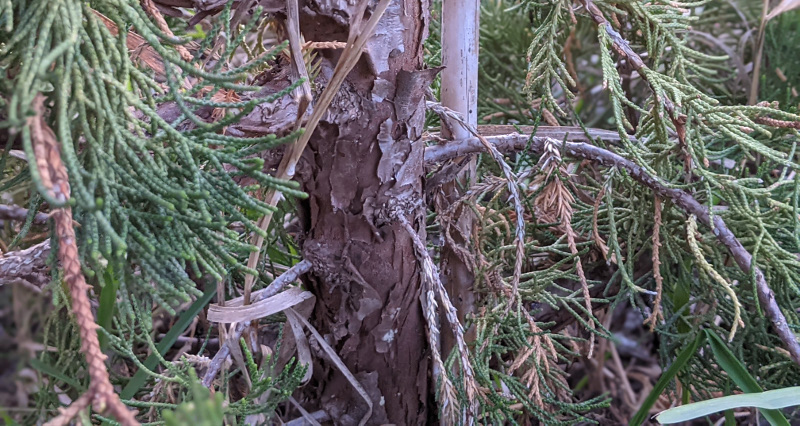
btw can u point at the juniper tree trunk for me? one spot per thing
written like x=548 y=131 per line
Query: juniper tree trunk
x=364 y=161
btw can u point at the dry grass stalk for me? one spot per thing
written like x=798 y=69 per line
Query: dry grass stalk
x=657 y=314
x=554 y=204
x=54 y=177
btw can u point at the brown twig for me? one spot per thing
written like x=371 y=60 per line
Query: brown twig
x=27 y=266
x=54 y=176
x=153 y=11
x=680 y=198
x=291 y=275
x=20 y=214
x=657 y=315
x=303 y=97
x=752 y=97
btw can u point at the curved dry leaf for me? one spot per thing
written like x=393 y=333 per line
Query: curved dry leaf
x=334 y=358
x=782 y=7
x=301 y=342
x=234 y=311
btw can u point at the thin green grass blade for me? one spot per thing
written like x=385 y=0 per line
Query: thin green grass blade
x=7 y=419
x=108 y=301
x=665 y=378
x=54 y=373
x=180 y=326
x=768 y=401
x=739 y=374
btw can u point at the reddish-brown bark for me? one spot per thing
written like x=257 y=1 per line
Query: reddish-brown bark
x=365 y=160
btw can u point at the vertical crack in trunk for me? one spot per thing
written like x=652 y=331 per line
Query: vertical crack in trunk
x=365 y=158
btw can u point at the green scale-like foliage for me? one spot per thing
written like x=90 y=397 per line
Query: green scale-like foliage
x=154 y=198
x=740 y=170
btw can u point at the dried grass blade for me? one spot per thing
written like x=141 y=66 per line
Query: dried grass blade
x=783 y=7
x=303 y=350
x=236 y=311
x=334 y=357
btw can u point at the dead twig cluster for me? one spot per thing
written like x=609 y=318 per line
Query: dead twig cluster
x=434 y=285
x=554 y=204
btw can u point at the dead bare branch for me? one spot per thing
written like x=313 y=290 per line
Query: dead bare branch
x=302 y=95
x=680 y=198
x=27 y=266
x=20 y=214
x=291 y=275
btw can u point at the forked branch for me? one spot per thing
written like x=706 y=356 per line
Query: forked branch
x=682 y=199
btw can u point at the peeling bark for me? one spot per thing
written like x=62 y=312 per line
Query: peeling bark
x=365 y=159
x=26 y=266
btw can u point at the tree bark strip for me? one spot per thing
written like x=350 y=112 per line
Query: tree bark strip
x=365 y=161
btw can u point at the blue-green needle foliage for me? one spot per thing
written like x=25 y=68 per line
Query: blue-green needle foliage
x=153 y=196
